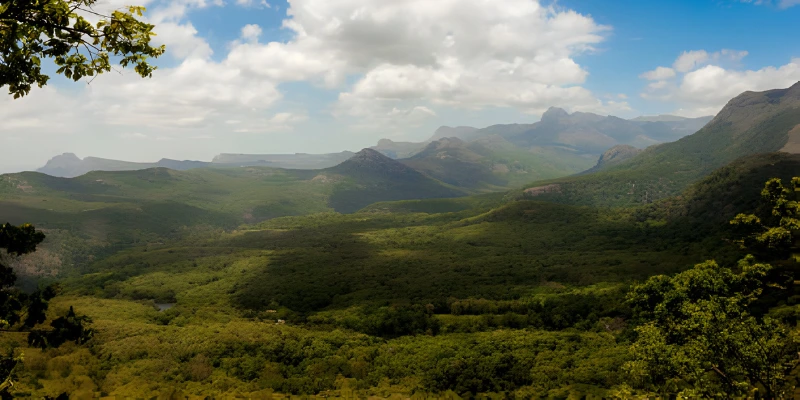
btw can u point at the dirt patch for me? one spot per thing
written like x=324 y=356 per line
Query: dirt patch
x=24 y=186
x=536 y=191
x=793 y=144
x=322 y=178
x=501 y=168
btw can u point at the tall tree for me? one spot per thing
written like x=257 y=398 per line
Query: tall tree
x=24 y=312
x=700 y=338
x=36 y=30
x=772 y=234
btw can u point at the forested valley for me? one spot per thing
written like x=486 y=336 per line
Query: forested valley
x=571 y=256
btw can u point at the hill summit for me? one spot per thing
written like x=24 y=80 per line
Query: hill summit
x=369 y=162
x=374 y=177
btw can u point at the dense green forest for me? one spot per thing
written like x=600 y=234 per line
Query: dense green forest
x=489 y=294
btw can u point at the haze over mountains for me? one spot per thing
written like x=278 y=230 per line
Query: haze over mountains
x=482 y=160
x=577 y=136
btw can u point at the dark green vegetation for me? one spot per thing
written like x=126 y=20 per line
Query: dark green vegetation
x=32 y=31
x=708 y=331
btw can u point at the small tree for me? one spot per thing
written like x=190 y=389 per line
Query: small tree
x=700 y=338
x=24 y=312
x=33 y=30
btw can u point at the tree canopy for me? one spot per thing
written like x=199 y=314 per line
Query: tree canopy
x=701 y=337
x=774 y=233
x=35 y=30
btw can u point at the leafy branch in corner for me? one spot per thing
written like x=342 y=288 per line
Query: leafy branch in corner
x=33 y=30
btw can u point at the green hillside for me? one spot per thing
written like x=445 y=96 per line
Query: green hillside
x=749 y=124
x=103 y=211
x=493 y=164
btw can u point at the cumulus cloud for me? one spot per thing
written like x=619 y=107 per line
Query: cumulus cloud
x=658 y=74
x=251 y=32
x=705 y=86
x=690 y=60
x=394 y=64
x=470 y=53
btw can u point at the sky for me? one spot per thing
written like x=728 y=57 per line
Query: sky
x=320 y=76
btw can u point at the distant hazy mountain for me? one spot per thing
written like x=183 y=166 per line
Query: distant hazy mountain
x=492 y=163
x=584 y=133
x=289 y=161
x=68 y=165
x=592 y=133
x=751 y=123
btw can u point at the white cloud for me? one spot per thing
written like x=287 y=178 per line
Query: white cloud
x=658 y=74
x=469 y=53
x=704 y=90
x=283 y=121
x=253 y=3
x=182 y=41
x=251 y=32
x=690 y=60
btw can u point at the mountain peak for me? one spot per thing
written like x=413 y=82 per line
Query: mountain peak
x=367 y=154
x=369 y=160
x=64 y=159
x=554 y=114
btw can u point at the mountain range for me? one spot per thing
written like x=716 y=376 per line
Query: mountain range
x=579 y=132
x=562 y=142
x=751 y=123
